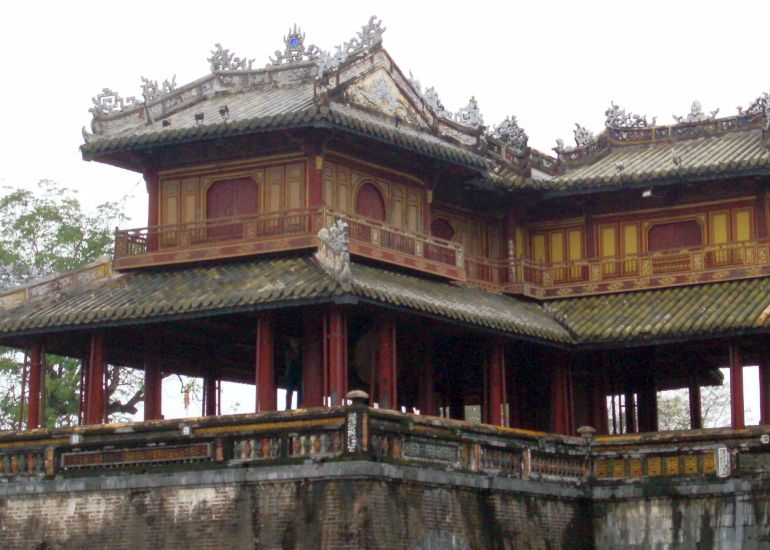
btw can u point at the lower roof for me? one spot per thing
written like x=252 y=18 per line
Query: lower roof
x=248 y=285
x=632 y=318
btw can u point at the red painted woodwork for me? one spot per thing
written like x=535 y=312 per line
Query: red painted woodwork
x=736 y=388
x=561 y=397
x=210 y=394
x=312 y=360
x=153 y=208
x=265 y=369
x=764 y=391
x=674 y=236
x=336 y=355
x=369 y=203
x=426 y=400
x=696 y=413
x=442 y=229
x=229 y=198
x=153 y=377
x=387 y=383
x=495 y=377
x=598 y=400
x=760 y=214
x=315 y=192
x=35 y=386
x=95 y=387
x=648 y=407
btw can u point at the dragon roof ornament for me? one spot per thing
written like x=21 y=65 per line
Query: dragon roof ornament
x=470 y=115
x=583 y=137
x=761 y=105
x=370 y=34
x=619 y=118
x=150 y=89
x=511 y=134
x=295 y=50
x=222 y=60
x=109 y=102
x=696 y=114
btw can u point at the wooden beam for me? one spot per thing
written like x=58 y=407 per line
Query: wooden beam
x=387 y=378
x=153 y=377
x=696 y=410
x=95 y=384
x=336 y=354
x=736 y=388
x=265 y=370
x=36 y=375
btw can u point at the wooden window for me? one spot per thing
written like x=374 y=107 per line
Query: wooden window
x=442 y=229
x=719 y=228
x=742 y=225
x=234 y=197
x=538 y=248
x=674 y=236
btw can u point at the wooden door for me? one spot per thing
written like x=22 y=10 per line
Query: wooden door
x=369 y=203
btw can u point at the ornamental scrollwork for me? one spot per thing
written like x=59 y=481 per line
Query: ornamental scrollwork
x=222 y=60
x=583 y=136
x=619 y=118
x=470 y=115
x=110 y=102
x=370 y=34
x=761 y=105
x=696 y=114
x=510 y=133
x=295 y=49
x=151 y=90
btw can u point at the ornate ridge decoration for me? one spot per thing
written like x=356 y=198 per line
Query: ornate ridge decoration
x=370 y=34
x=761 y=105
x=511 y=134
x=150 y=89
x=470 y=115
x=696 y=114
x=431 y=98
x=109 y=102
x=619 y=118
x=583 y=137
x=295 y=50
x=222 y=60
x=334 y=251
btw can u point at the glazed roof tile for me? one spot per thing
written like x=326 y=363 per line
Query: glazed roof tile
x=142 y=296
x=670 y=313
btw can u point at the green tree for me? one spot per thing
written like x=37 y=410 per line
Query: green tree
x=47 y=231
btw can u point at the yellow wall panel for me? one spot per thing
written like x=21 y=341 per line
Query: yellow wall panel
x=630 y=239
x=557 y=247
x=538 y=248
x=518 y=242
x=742 y=225
x=575 y=244
x=719 y=234
x=608 y=240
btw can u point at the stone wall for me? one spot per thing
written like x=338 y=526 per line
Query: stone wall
x=343 y=505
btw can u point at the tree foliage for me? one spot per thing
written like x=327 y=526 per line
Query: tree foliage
x=674 y=408
x=47 y=231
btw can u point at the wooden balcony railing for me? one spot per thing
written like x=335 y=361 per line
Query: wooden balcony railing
x=297 y=229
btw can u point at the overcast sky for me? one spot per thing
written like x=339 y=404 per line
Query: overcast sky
x=549 y=63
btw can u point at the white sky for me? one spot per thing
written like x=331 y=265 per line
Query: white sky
x=549 y=63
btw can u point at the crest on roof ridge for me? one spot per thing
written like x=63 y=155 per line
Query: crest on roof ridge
x=470 y=115
x=370 y=34
x=222 y=60
x=109 y=102
x=619 y=118
x=761 y=105
x=696 y=114
x=511 y=134
x=295 y=50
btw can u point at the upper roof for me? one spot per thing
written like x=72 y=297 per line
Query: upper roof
x=361 y=90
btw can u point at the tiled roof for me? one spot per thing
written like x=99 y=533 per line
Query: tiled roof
x=731 y=153
x=247 y=285
x=671 y=313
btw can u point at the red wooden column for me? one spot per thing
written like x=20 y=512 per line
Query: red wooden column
x=312 y=360
x=36 y=375
x=630 y=410
x=336 y=355
x=561 y=397
x=736 y=388
x=210 y=393
x=598 y=399
x=648 y=406
x=495 y=378
x=265 y=370
x=387 y=383
x=153 y=377
x=696 y=414
x=153 y=207
x=427 y=392
x=764 y=390
x=94 y=410
x=315 y=192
